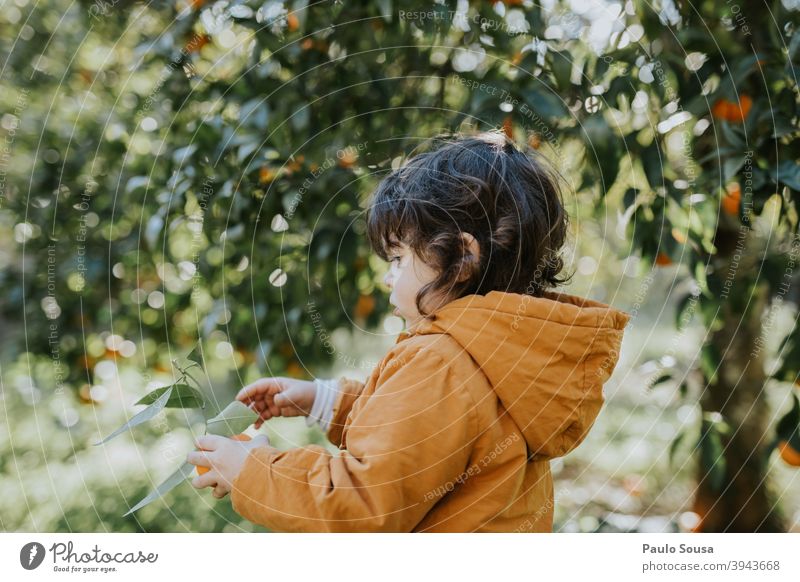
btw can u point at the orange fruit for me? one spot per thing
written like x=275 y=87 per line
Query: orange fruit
x=364 y=306
x=292 y=23
x=733 y=112
x=86 y=361
x=295 y=165
x=701 y=509
x=679 y=235
x=266 y=174
x=286 y=349
x=348 y=159
x=237 y=437
x=85 y=394
x=508 y=126
x=294 y=370
x=732 y=200
x=789 y=454
x=197 y=42
x=745 y=103
x=720 y=109
x=309 y=43
x=635 y=485
x=662 y=260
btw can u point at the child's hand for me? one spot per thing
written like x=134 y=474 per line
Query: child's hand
x=278 y=397
x=225 y=458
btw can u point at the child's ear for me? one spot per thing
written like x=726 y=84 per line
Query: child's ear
x=470 y=257
x=472 y=250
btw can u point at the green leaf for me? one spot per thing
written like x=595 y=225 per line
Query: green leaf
x=169 y=483
x=142 y=417
x=709 y=362
x=794 y=47
x=194 y=355
x=712 y=458
x=136 y=182
x=602 y=150
x=683 y=389
x=246 y=150
x=783 y=125
x=619 y=86
x=789 y=425
x=700 y=277
x=733 y=136
x=788 y=172
x=561 y=66
x=731 y=166
x=653 y=164
x=183 y=396
x=629 y=198
x=236 y=417
x=182 y=155
x=673 y=447
x=545 y=103
x=661 y=378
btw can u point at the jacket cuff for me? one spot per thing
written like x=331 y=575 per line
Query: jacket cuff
x=349 y=391
x=321 y=411
x=249 y=492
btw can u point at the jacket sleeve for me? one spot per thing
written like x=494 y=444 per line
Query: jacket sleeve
x=349 y=391
x=411 y=437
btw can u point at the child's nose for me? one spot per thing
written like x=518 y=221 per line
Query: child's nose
x=387 y=278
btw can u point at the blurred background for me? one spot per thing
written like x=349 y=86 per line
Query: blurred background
x=191 y=176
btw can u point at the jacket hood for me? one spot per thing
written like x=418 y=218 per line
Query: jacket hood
x=546 y=358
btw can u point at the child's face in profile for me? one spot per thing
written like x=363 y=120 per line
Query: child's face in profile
x=407 y=274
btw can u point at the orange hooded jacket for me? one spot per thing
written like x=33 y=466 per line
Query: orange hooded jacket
x=454 y=429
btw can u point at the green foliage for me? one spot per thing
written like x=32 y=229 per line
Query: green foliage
x=195 y=174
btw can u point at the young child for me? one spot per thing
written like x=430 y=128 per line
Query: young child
x=494 y=375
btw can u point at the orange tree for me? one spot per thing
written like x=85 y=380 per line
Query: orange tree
x=718 y=84
x=197 y=170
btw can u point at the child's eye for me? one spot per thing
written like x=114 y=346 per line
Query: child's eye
x=393 y=259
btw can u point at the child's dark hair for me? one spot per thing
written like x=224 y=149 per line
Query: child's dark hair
x=480 y=184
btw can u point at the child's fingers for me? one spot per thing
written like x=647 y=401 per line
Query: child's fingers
x=198 y=458
x=205 y=480
x=287 y=405
x=258 y=406
x=258 y=388
x=209 y=442
x=249 y=392
x=284 y=400
x=263 y=409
